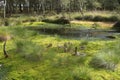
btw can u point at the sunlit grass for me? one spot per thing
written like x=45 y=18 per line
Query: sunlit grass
x=55 y=64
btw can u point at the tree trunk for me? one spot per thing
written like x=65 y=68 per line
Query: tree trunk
x=20 y=8
x=4 y=50
x=4 y=8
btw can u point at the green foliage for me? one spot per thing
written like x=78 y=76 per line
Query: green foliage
x=6 y=22
x=30 y=19
x=57 y=21
x=29 y=50
x=98 y=18
x=87 y=17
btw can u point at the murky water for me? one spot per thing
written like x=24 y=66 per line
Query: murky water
x=80 y=33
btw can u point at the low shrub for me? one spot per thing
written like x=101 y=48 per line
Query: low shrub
x=88 y=17
x=32 y=20
x=57 y=21
x=47 y=20
x=98 y=18
x=62 y=20
x=6 y=22
x=29 y=20
x=113 y=18
x=29 y=50
x=78 y=18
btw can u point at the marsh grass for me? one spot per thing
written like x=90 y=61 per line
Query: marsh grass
x=108 y=58
x=81 y=73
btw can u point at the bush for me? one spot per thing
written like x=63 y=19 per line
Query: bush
x=57 y=21
x=62 y=20
x=29 y=50
x=32 y=20
x=47 y=20
x=6 y=22
x=78 y=18
x=98 y=18
x=29 y=20
x=88 y=17
x=113 y=18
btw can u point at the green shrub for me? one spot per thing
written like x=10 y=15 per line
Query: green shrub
x=6 y=22
x=47 y=20
x=29 y=50
x=78 y=18
x=88 y=17
x=62 y=20
x=113 y=18
x=57 y=21
x=98 y=18
x=31 y=19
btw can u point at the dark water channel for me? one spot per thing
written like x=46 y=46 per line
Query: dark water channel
x=80 y=33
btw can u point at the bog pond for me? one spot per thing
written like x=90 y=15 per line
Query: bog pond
x=80 y=33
